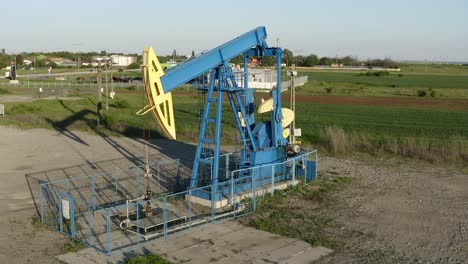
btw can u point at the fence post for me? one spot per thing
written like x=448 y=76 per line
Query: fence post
x=60 y=211
x=72 y=216
x=190 y=207
x=41 y=198
x=90 y=221
x=254 y=195
x=108 y=231
x=165 y=216
x=137 y=181
x=227 y=166
x=293 y=170
x=273 y=179
x=213 y=203
x=137 y=205
x=232 y=188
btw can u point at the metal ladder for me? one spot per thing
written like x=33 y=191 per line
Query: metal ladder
x=208 y=148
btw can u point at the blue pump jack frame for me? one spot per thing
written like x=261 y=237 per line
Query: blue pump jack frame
x=222 y=80
x=242 y=101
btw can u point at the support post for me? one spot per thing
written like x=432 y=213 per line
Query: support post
x=137 y=186
x=293 y=170
x=226 y=172
x=137 y=206
x=108 y=231
x=273 y=179
x=190 y=207
x=90 y=222
x=232 y=188
x=254 y=195
x=60 y=212
x=99 y=95
x=165 y=216
x=72 y=216
x=41 y=195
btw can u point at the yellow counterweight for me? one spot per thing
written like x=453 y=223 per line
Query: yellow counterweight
x=159 y=103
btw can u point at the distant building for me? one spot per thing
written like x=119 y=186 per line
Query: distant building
x=62 y=62
x=337 y=65
x=122 y=60
x=99 y=59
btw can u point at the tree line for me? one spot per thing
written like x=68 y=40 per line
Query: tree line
x=41 y=59
x=288 y=58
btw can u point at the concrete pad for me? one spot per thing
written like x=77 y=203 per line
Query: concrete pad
x=308 y=255
x=228 y=242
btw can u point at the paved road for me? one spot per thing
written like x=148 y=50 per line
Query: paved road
x=63 y=74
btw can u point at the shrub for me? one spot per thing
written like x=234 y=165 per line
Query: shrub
x=432 y=93
x=133 y=66
x=422 y=93
x=328 y=90
x=375 y=74
x=149 y=259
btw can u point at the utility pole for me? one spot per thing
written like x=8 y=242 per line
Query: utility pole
x=107 y=90
x=292 y=101
x=99 y=103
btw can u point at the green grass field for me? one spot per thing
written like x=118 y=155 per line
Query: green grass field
x=394 y=80
x=422 y=132
x=338 y=128
x=434 y=68
x=394 y=85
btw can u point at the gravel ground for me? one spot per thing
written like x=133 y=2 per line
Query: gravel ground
x=398 y=210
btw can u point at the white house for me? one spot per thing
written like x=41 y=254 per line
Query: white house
x=122 y=60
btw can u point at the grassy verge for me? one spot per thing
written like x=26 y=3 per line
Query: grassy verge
x=424 y=133
x=393 y=80
x=73 y=246
x=315 y=87
x=295 y=212
x=4 y=91
x=148 y=259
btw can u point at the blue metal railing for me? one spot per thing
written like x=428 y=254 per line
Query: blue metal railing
x=98 y=227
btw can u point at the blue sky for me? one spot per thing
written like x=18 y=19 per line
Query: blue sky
x=411 y=29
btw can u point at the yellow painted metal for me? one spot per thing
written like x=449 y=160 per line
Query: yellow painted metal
x=159 y=103
x=288 y=116
x=266 y=106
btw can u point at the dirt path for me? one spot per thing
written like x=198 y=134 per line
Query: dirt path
x=414 y=102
